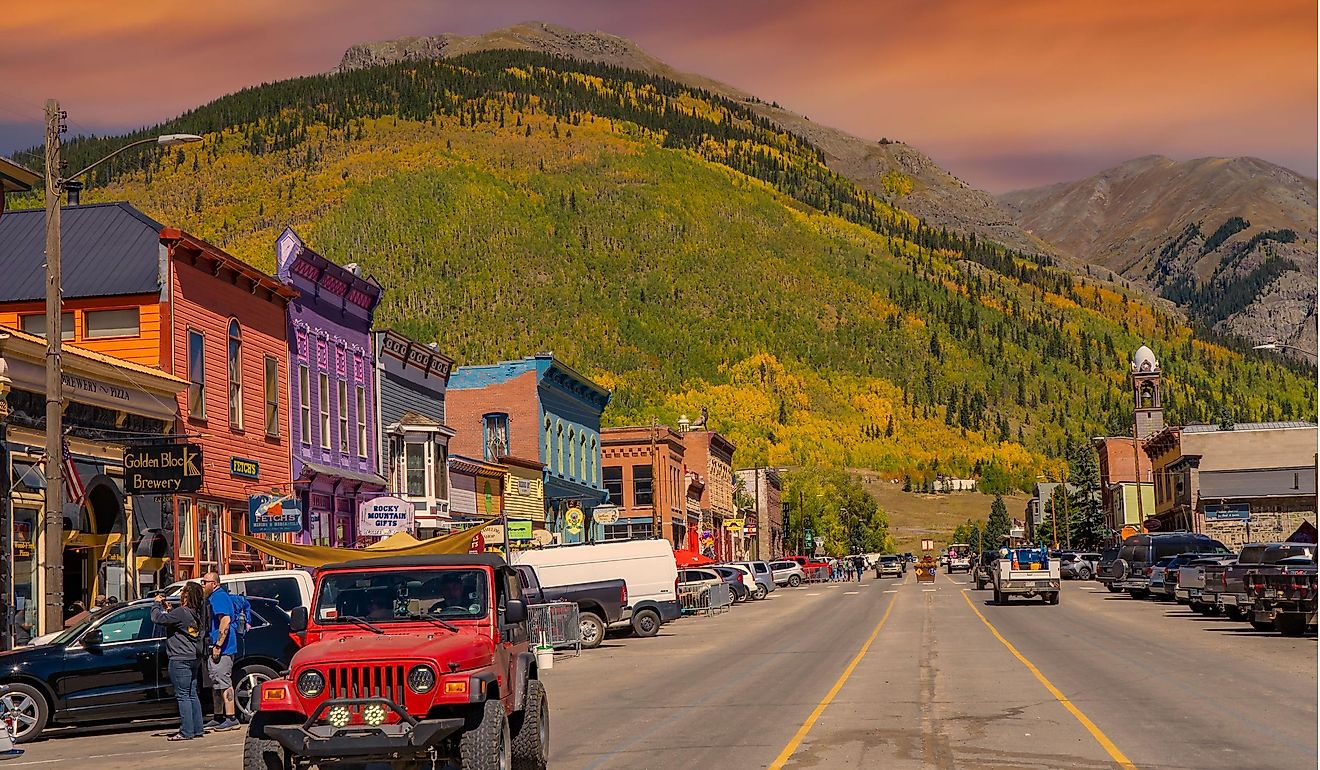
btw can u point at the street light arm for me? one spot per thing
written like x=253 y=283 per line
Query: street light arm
x=1278 y=345
x=166 y=140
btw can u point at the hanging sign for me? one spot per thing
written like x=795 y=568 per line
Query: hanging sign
x=520 y=530
x=605 y=514
x=734 y=524
x=573 y=519
x=273 y=514
x=384 y=516
x=156 y=469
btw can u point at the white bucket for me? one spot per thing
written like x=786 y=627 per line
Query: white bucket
x=545 y=658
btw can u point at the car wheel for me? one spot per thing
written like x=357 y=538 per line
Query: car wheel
x=592 y=629
x=531 y=730
x=1052 y=598
x=794 y=581
x=1000 y=598
x=485 y=745
x=246 y=687
x=1084 y=573
x=1290 y=625
x=646 y=623
x=264 y=754
x=761 y=591
x=1138 y=593
x=28 y=708
x=1235 y=613
x=980 y=585
x=1113 y=589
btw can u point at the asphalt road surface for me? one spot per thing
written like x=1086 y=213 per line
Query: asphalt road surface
x=892 y=674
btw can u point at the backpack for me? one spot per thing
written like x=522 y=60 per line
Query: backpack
x=242 y=615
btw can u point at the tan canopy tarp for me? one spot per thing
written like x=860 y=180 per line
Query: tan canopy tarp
x=398 y=544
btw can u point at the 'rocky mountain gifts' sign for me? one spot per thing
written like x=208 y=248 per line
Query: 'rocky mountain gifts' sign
x=159 y=469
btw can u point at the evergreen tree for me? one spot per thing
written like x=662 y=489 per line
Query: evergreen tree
x=1087 y=518
x=998 y=523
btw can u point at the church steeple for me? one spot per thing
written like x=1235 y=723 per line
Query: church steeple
x=1148 y=408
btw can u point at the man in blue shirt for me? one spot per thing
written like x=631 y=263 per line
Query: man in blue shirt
x=220 y=656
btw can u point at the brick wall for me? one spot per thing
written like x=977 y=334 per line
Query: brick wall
x=516 y=398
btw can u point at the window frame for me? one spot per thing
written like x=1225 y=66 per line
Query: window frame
x=87 y=326
x=304 y=405
x=69 y=336
x=361 y=397
x=423 y=467
x=234 y=368
x=341 y=400
x=271 y=376
x=323 y=390
x=196 y=385
x=607 y=482
x=649 y=479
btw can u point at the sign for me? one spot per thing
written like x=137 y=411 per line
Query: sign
x=734 y=524
x=520 y=530
x=807 y=535
x=273 y=514
x=493 y=534
x=478 y=544
x=1229 y=512
x=573 y=519
x=606 y=514
x=384 y=516
x=750 y=530
x=162 y=468
x=927 y=545
x=242 y=466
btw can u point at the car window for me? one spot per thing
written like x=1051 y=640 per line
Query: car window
x=131 y=625
x=760 y=566
x=1276 y=553
x=284 y=590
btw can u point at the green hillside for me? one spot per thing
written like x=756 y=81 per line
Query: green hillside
x=685 y=253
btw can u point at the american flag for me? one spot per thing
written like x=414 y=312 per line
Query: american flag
x=73 y=484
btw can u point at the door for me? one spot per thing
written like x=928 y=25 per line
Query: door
x=120 y=675
x=507 y=586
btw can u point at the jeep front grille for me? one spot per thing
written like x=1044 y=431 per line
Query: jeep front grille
x=356 y=681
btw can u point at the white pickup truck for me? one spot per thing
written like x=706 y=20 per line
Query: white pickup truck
x=960 y=558
x=1025 y=572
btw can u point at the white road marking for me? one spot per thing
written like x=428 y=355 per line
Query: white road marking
x=927 y=590
x=849 y=593
x=891 y=592
x=813 y=594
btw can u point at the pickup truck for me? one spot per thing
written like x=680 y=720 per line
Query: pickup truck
x=1224 y=586
x=888 y=566
x=1026 y=572
x=1190 y=588
x=1285 y=596
x=600 y=603
x=960 y=558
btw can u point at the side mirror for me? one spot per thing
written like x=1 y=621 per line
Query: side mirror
x=515 y=611
x=298 y=620
x=92 y=638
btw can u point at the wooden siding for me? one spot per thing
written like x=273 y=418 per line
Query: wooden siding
x=520 y=506
x=143 y=349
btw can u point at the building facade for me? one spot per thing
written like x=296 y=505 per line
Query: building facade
x=332 y=390
x=536 y=408
x=710 y=456
x=1126 y=501
x=643 y=474
x=15 y=179
x=411 y=378
x=765 y=488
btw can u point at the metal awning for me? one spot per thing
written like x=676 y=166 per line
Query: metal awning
x=317 y=469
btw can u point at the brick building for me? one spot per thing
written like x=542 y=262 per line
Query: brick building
x=643 y=473
x=710 y=456
x=765 y=488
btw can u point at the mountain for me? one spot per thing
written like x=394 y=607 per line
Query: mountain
x=1231 y=240
x=685 y=251
x=893 y=169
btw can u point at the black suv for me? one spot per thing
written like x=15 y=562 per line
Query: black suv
x=1131 y=571
x=981 y=568
x=111 y=667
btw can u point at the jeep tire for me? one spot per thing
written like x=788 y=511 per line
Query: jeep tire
x=263 y=754
x=592 y=629
x=530 y=729
x=485 y=745
x=646 y=622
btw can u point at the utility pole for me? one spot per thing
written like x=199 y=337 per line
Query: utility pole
x=656 y=485
x=50 y=554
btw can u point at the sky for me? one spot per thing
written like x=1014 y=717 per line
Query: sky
x=1003 y=93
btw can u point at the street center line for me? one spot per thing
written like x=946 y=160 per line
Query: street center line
x=849 y=593
x=1085 y=721
x=891 y=592
x=802 y=731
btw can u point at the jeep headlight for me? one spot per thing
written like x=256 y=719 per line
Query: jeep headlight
x=311 y=683
x=421 y=679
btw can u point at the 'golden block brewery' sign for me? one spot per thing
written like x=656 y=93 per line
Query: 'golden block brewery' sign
x=157 y=469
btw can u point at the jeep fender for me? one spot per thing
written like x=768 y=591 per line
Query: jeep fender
x=479 y=685
x=524 y=668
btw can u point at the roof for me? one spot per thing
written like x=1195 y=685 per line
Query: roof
x=225 y=259
x=70 y=349
x=520 y=462
x=1269 y=482
x=16 y=178
x=1146 y=356
x=437 y=560
x=547 y=369
x=1245 y=426
x=107 y=249
x=343 y=473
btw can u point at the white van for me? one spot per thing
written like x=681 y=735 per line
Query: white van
x=646 y=566
x=288 y=587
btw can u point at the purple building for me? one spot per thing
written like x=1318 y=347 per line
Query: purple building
x=332 y=391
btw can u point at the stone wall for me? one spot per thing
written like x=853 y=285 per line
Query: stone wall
x=1270 y=522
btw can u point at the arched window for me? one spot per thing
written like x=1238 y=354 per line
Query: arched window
x=559 y=447
x=235 y=375
x=591 y=463
x=549 y=438
x=572 y=463
x=582 y=457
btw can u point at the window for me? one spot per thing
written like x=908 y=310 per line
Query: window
x=549 y=437
x=304 y=405
x=183 y=522
x=325 y=410
x=591 y=462
x=495 y=429
x=415 y=468
x=272 y=397
x=196 y=374
x=614 y=483
x=110 y=323
x=235 y=360
x=582 y=457
x=572 y=463
x=559 y=447
x=131 y=625
x=442 y=471
x=283 y=590
x=343 y=415
x=641 y=485
x=36 y=324
x=362 y=421
x=639 y=531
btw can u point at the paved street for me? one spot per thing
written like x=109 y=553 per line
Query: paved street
x=897 y=676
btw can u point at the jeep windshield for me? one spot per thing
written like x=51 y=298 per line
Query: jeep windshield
x=380 y=597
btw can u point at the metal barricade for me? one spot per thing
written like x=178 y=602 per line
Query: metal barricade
x=705 y=599
x=818 y=575
x=721 y=598
x=555 y=624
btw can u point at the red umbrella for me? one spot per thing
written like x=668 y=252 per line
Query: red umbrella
x=691 y=559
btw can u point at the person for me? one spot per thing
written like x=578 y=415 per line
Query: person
x=220 y=656
x=183 y=649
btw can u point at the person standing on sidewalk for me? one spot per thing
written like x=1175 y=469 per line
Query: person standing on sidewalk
x=220 y=656
x=184 y=648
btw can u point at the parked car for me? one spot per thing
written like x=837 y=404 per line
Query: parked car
x=1106 y=569
x=812 y=569
x=111 y=667
x=1225 y=585
x=1078 y=565
x=981 y=568
x=600 y=604
x=1155 y=579
x=762 y=575
x=1173 y=573
x=1139 y=553
x=787 y=573
x=288 y=587
x=888 y=566
x=646 y=566
x=1191 y=582
x=735 y=579
x=1285 y=597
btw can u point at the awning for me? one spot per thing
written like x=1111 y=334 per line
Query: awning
x=329 y=470
x=398 y=544
x=691 y=559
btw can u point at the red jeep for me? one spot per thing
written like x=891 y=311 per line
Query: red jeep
x=411 y=661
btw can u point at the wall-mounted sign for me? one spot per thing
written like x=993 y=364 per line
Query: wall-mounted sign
x=384 y=516
x=605 y=514
x=573 y=519
x=520 y=530
x=273 y=514
x=242 y=466
x=1229 y=512
x=734 y=524
x=927 y=545
x=162 y=468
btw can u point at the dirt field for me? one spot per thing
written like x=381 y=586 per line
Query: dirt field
x=915 y=516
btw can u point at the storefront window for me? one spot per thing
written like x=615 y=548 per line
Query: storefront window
x=210 y=517
x=415 y=455
x=183 y=522
x=320 y=515
x=25 y=573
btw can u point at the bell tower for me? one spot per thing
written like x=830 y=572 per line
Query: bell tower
x=1148 y=408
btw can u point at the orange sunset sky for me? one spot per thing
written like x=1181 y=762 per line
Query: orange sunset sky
x=1004 y=94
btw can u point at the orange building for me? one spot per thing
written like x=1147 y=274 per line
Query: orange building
x=157 y=296
x=642 y=469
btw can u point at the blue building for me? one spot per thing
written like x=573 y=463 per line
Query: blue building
x=535 y=408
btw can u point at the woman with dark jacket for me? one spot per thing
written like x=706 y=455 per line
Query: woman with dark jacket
x=183 y=640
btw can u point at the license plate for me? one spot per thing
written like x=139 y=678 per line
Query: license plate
x=1182 y=594
x=1228 y=599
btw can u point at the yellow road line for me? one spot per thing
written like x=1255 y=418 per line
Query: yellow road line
x=1095 y=732
x=802 y=731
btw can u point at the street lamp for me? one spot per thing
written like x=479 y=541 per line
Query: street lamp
x=50 y=554
x=1271 y=344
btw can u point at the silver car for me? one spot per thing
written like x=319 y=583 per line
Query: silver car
x=762 y=574
x=788 y=573
x=888 y=566
x=1079 y=565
